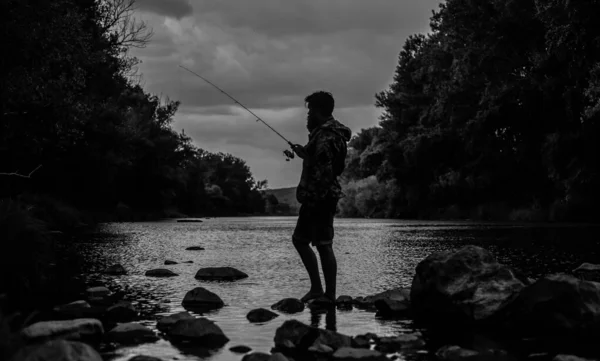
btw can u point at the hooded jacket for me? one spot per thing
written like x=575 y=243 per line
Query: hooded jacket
x=326 y=150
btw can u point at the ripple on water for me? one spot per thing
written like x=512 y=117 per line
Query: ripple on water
x=373 y=255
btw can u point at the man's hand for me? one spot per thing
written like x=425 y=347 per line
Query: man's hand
x=299 y=150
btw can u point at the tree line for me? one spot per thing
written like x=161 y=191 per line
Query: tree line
x=494 y=114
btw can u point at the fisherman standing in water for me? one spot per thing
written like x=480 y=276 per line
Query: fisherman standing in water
x=323 y=160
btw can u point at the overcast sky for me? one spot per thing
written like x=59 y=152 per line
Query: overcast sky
x=270 y=54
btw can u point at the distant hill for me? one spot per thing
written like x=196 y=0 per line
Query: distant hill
x=287 y=196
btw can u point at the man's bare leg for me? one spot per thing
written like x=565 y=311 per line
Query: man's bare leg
x=312 y=267
x=329 y=264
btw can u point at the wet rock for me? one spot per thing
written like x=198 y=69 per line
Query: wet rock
x=455 y=353
x=588 y=272
x=289 y=305
x=562 y=357
x=467 y=285
x=240 y=349
x=400 y=342
x=278 y=356
x=188 y=262
x=201 y=298
x=219 y=274
x=169 y=262
x=296 y=335
x=398 y=295
x=131 y=333
x=257 y=356
x=160 y=272
x=391 y=308
x=165 y=323
x=122 y=311
x=144 y=358
x=361 y=341
x=73 y=308
x=318 y=347
x=261 y=315
x=343 y=300
x=116 y=270
x=195 y=248
x=557 y=306
x=189 y=220
x=81 y=329
x=351 y=354
x=57 y=350
x=199 y=331
x=97 y=292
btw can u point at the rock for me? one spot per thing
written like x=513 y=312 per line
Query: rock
x=397 y=294
x=165 y=323
x=219 y=274
x=57 y=350
x=144 y=358
x=160 y=272
x=289 y=305
x=202 y=298
x=75 y=305
x=122 y=311
x=351 y=354
x=588 y=272
x=361 y=341
x=391 y=308
x=169 y=262
x=189 y=220
x=240 y=349
x=400 y=342
x=318 y=347
x=562 y=357
x=261 y=315
x=198 y=330
x=195 y=248
x=296 y=335
x=342 y=300
x=97 y=292
x=116 y=270
x=85 y=329
x=131 y=333
x=557 y=306
x=454 y=353
x=278 y=356
x=257 y=356
x=188 y=262
x=467 y=285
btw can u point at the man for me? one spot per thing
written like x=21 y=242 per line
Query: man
x=323 y=160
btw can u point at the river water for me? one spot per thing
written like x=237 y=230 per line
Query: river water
x=373 y=256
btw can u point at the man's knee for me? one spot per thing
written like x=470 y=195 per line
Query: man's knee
x=299 y=243
x=325 y=248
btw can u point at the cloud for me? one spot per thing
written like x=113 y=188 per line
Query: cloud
x=173 y=8
x=270 y=54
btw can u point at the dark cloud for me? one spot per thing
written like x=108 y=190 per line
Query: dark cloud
x=174 y=8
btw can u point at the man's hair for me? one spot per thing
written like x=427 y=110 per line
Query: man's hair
x=321 y=101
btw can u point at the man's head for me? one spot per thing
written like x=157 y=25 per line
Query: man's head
x=320 y=106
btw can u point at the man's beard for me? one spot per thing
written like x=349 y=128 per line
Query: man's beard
x=312 y=123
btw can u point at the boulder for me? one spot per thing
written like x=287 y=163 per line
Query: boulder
x=261 y=315
x=131 y=333
x=195 y=248
x=557 y=306
x=201 y=298
x=160 y=272
x=358 y=354
x=288 y=305
x=219 y=274
x=116 y=270
x=165 y=323
x=199 y=331
x=467 y=285
x=169 y=262
x=57 y=350
x=240 y=349
x=293 y=334
x=84 y=329
x=588 y=272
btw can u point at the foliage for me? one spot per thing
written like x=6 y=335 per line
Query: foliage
x=498 y=105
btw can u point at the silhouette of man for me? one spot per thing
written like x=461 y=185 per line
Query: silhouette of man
x=323 y=160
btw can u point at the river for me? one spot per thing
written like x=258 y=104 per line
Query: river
x=373 y=256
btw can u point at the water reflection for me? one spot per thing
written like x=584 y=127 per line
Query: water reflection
x=373 y=256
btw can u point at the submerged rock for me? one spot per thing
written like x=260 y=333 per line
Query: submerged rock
x=165 y=323
x=261 y=315
x=85 y=329
x=467 y=285
x=288 y=305
x=131 y=333
x=57 y=350
x=116 y=270
x=293 y=334
x=160 y=272
x=200 y=297
x=220 y=274
x=199 y=331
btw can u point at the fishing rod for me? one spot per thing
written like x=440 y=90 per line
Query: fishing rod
x=286 y=152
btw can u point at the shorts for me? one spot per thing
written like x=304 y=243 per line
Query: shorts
x=315 y=223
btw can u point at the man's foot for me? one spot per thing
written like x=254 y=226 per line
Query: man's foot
x=311 y=295
x=324 y=300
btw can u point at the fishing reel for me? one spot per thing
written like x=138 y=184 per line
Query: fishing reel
x=288 y=155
